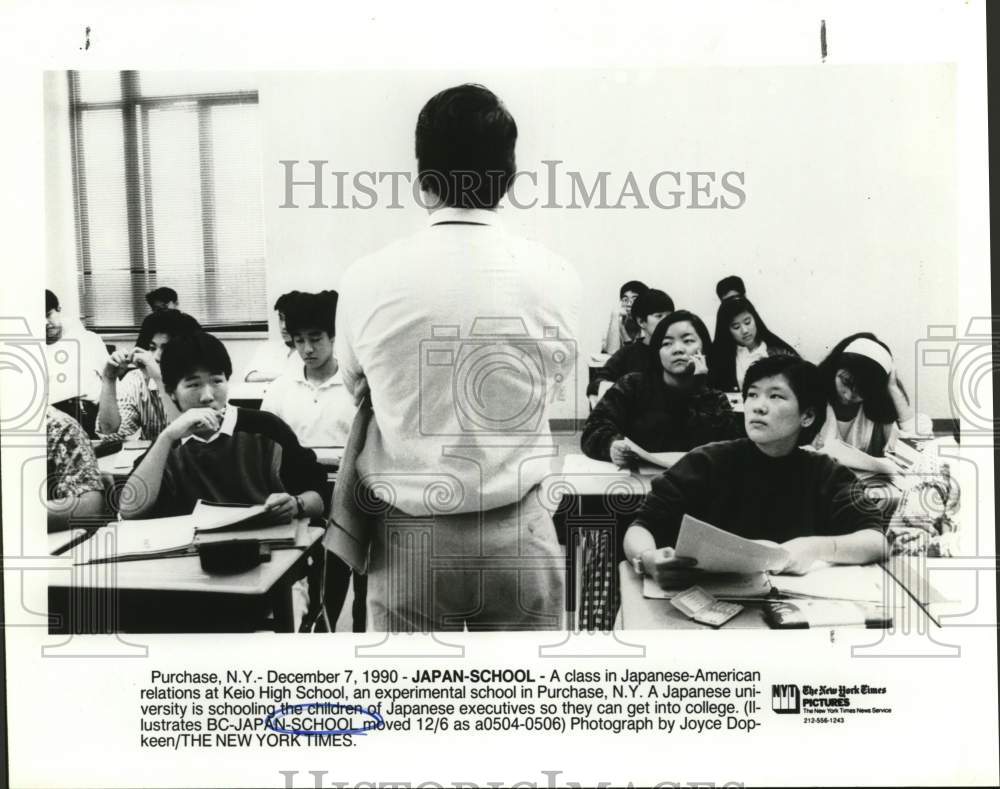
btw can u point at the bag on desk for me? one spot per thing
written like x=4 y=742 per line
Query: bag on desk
x=350 y=530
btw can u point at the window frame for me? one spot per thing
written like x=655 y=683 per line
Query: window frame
x=137 y=157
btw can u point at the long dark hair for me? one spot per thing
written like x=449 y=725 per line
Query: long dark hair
x=722 y=354
x=655 y=375
x=870 y=380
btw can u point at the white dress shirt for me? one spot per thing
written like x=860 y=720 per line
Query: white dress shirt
x=466 y=335
x=744 y=358
x=320 y=415
x=75 y=364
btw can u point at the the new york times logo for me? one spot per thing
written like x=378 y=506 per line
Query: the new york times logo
x=786 y=700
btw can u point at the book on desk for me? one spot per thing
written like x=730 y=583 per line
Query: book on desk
x=210 y=523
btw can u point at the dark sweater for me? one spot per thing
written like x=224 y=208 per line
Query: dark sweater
x=736 y=487
x=658 y=418
x=261 y=457
x=632 y=358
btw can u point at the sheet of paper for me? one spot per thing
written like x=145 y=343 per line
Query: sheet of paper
x=153 y=536
x=836 y=582
x=208 y=516
x=581 y=464
x=719 y=551
x=662 y=459
x=328 y=456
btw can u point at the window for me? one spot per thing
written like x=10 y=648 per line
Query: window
x=167 y=188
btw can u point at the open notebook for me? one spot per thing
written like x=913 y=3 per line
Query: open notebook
x=181 y=535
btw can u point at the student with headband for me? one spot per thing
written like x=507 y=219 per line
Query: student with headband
x=868 y=405
x=670 y=408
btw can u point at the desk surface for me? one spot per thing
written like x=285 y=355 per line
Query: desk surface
x=640 y=613
x=184 y=574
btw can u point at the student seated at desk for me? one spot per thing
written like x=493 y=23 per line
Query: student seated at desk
x=765 y=487
x=274 y=359
x=217 y=452
x=741 y=338
x=75 y=489
x=622 y=329
x=670 y=408
x=649 y=308
x=868 y=405
x=313 y=400
x=139 y=403
x=75 y=358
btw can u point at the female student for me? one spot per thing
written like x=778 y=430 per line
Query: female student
x=868 y=405
x=741 y=338
x=669 y=409
x=764 y=487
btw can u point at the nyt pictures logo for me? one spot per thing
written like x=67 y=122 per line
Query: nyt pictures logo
x=786 y=699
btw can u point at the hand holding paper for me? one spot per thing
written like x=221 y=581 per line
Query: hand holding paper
x=719 y=551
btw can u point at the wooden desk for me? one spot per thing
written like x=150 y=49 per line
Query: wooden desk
x=176 y=595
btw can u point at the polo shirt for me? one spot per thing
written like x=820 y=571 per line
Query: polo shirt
x=319 y=414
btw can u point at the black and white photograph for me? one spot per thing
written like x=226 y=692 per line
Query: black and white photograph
x=550 y=404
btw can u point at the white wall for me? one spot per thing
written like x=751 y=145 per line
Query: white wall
x=848 y=225
x=849 y=222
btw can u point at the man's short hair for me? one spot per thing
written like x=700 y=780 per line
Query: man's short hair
x=190 y=352
x=633 y=285
x=465 y=147
x=650 y=301
x=805 y=381
x=165 y=295
x=729 y=284
x=285 y=302
x=316 y=311
x=51 y=301
x=172 y=322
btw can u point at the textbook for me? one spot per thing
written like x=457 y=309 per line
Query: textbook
x=180 y=535
x=720 y=551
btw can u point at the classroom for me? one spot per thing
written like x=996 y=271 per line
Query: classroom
x=217 y=217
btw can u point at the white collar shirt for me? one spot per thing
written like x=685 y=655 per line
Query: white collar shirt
x=466 y=335
x=320 y=415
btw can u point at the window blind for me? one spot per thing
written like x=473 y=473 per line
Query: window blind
x=168 y=193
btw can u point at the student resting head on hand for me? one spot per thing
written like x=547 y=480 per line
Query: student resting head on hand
x=868 y=405
x=218 y=452
x=668 y=408
x=763 y=487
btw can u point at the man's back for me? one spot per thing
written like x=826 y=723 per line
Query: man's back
x=465 y=335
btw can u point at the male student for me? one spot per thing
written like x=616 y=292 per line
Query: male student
x=460 y=433
x=311 y=398
x=162 y=299
x=272 y=358
x=75 y=492
x=314 y=402
x=219 y=452
x=75 y=361
x=649 y=308
x=139 y=402
x=764 y=487
x=730 y=287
